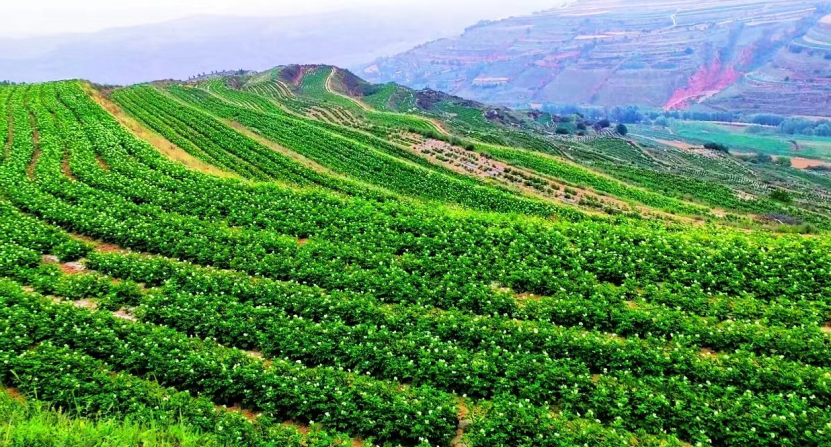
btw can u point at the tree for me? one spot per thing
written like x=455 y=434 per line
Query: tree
x=717 y=147
x=823 y=130
x=562 y=131
x=604 y=123
x=621 y=129
x=780 y=195
x=783 y=161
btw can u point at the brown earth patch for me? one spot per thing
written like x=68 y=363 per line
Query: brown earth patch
x=49 y=259
x=526 y=296
x=254 y=354
x=805 y=163
x=596 y=378
x=72 y=268
x=102 y=247
x=102 y=163
x=498 y=287
x=236 y=408
x=28 y=289
x=826 y=328
x=357 y=442
x=631 y=304
x=464 y=422
x=67 y=171
x=676 y=144
x=109 y=248
x=302 y=242
x=85 y=304
x=15 y=394
x=124 y=315
x=707 y=352
x=475 y=164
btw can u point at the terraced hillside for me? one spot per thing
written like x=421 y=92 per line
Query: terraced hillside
x=796 y=81
x=732 y=54
x=288 y=259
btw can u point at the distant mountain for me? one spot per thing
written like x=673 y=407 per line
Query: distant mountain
x=186 y=47
x=707 y=54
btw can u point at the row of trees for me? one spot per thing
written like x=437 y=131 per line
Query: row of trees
x=634 y=115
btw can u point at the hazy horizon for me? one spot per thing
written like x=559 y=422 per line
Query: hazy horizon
x=45 y=18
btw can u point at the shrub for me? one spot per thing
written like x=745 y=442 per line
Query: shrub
x=783 y=161
x=622 y=129
x=780 y=195
x=717 y=147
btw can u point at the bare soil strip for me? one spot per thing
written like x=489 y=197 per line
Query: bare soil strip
x=85 y=304
x=236 y=408
x=15 y=394
x=102 y=163
x=124 y=315
x=67 y=171
x=332 y=91
x=276 y=147
x=464 y=422
x=161 y=144
x=102 y=247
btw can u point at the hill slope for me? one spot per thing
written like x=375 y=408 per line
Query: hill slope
x=270 y=259
x=658 y=54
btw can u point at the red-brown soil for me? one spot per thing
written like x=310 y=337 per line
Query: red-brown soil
x=72 y=268
x=15 y=394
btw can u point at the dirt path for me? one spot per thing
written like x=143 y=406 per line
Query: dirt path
x=67 y=171
x=102 y=247
x=366 y=108
x=276 y=147
x=165 y=147
x=331 y=90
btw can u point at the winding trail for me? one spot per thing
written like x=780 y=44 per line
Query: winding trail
x=367 y=108
x=331 y=90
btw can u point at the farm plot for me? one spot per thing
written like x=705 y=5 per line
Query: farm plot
x=260 y=313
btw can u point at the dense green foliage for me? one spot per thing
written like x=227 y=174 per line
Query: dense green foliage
x=363 y=305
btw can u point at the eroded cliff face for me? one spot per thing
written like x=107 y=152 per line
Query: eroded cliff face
x=661 y=54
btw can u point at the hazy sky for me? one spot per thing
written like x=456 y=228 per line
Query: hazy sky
x=25 y=18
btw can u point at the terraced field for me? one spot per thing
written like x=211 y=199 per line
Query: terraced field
x=739 y=55
x=214 y=264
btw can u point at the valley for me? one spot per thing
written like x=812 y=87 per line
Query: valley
x=737 y=55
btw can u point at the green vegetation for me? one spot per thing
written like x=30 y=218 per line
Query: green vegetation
x=354 y=284
x=764 y=140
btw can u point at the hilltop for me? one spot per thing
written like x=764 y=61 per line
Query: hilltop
x=741 y=55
